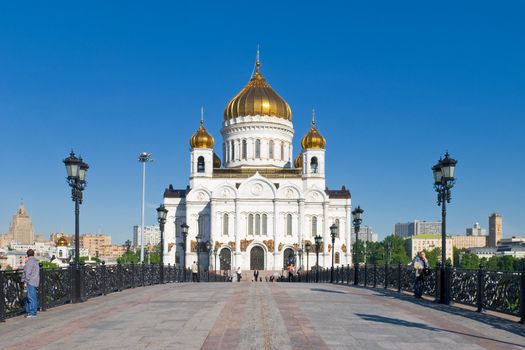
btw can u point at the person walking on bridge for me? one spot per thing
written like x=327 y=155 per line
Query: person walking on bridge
x=195 y=272
x=31 y=280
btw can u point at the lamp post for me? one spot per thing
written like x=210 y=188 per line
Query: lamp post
x=144 y=158
x=215 y=263
x=162 y=212
x=444 y=180
x=208 y=249
x=356 y=220
x=307 y=249
x=184 y=231
x=76 y=178
x=300 y=254
x=318 y=242
x=198 y=238
x=333 y=234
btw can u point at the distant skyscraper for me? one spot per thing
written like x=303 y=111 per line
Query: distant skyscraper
x=151 y=235
x=365 y=234
x=21 y=229
x=417 y=227
x=476 y=230
x=495 y=229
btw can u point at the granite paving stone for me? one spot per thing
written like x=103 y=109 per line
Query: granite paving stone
x=259 y=316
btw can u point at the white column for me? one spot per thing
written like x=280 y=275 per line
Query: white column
x=237 y=234
x=300 y=221
x=326 y=234
x=348 y=232
x=275 y=241
x=213 y=226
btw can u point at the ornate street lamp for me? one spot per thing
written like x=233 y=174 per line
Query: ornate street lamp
x=333 y=234
x=76 y=177
x=184 y=231
x=444 y=180
x=215 y=264
x=356 y=220
x=198 y=238
x=307 y=250
x=162 y=212
x=208 y=249
x=318 y=242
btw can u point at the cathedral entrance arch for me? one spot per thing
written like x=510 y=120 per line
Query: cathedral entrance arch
x=288 y=257
x=225 y=259
x=257 y=258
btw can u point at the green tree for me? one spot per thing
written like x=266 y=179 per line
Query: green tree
x=470 y=261
x=129 y=257
x=492 y=263
x=48 y=264
x=506 y=263
x=395 y=250
x=433 y=256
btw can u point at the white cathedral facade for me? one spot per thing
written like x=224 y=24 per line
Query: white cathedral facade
x=259 y=206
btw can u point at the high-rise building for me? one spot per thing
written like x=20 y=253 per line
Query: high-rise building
x=365 y=234
x=417 y=227
x=21 y=229
x=151 y=236
x=95 y=244
x=495 y=229
x=476 y=230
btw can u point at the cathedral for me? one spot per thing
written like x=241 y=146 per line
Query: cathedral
x=259 y=205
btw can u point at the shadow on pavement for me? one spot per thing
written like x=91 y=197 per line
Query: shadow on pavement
x=326 y=290
x=398 y=322
x=494 y=321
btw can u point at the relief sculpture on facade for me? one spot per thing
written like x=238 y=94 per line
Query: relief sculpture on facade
x=245 y=243
x=329 y=248
x=232 y=245
x=343 y=248
x=280 y=248
x=170 y=246
x=269 y=244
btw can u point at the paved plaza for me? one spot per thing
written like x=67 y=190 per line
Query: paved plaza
x=259 y=316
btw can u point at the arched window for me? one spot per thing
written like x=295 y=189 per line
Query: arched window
x=60 y=253
x=201 y=225
x=250 y=224
x=282 y=150
x=225 y=224
x=336 y=222
x=233 y=151
x=244 y=147
x=270 y=149
x=314 y=165
x=258 y=225
x=264 y=224
x=337 y=258
x=257 y=148
x=200 y=164
x=289 y=224
x=314 y=226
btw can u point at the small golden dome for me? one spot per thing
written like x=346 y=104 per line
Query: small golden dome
x=298 y=162
x=202 y=138
x=257 y=98
x=62 y=242
x=313 y=138
x=216 y=161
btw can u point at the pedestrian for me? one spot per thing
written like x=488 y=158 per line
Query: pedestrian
x=291 y=271
x=239 y=276
x=256 y=275
x=31 y=280
x=194 y=272
x=421 y=268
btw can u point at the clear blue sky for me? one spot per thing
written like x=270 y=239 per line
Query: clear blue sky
x=394 y=86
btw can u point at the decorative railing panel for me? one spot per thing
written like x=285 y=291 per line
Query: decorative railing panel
x=408 y=278
x=57 y=287
x=93 y=279
x=464 y=286
x=13 y=293
x=501 y=292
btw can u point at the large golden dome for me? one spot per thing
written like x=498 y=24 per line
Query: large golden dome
x=62 y=242
x=257 y=98
x=313 y=139
x=298 y=162
x=202 y=138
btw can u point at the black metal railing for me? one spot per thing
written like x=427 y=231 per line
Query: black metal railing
x=57 y=284
x=486 y=290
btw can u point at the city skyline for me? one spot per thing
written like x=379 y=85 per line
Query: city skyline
x=387 y=85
